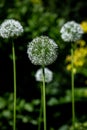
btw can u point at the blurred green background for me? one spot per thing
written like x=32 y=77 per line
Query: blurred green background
x=41 y=17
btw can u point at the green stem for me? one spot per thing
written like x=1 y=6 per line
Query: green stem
x=14 y=72
x=44 y=100
x=72 y=84
x=40 y=116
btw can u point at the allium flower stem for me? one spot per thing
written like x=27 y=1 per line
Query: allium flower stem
x=14 y=72
x=72 y=84
x=41 y=108
x=44 y=100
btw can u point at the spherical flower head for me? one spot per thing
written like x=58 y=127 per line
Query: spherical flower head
x=48 y=75
x=10 y=28
x=42 y=51
x=71 y=31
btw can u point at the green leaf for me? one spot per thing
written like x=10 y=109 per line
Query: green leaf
x=28 y=107
x=7 y=114
x=2 y=103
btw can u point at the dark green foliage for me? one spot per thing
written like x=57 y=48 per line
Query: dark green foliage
x=25 y=111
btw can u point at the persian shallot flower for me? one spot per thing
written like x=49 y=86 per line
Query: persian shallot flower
x=71 y=31
x=48 y=75
x=10 y=28
x=42 y=51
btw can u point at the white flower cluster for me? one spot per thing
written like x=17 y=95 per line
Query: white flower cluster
x=71 y=31
x=10 y=28
x=42 y=51
x=48 y=75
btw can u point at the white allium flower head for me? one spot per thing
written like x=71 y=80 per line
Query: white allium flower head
x=71 y=31
x=42 y=51
x=10 y=28
x=48 y=75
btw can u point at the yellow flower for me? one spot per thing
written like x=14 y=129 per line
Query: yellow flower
x=79 y=63
x=84 y=26
x=68 y=58
x=74 y=70
x=81 y=43
x=69 y=67
x=79 y=57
